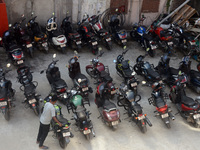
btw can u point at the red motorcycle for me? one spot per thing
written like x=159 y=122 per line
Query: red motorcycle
x=162 y=37
x=108 y=110
x=98 y=71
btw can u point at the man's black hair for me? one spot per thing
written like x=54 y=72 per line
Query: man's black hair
x=54 y=98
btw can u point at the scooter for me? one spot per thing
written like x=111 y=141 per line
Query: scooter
x=97 y=28
x=129 y=100
x=73 y=37
x=14 y=51
x=81 y=82
x=81 y=115
x=58 y=85
x=88 y=37
x=29 y=87
x=39 y=37
x=139 y=34
x=125 y=71
x=63 y=134
x=109 y=113
x=158 y=99
x=187 y=107
x=22 y=37
x=7 y=94
x=146 y=69
x=55 y=37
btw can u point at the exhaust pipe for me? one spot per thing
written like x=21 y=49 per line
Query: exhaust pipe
x=171 y=116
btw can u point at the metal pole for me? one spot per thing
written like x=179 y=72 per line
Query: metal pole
x=177 y=9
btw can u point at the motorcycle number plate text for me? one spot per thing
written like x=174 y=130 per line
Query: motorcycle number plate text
x=85 y=89
x=29 y=45
x=153 y=47
x=63 y=45
x=114 y=123
x=20 y=62
x=113 y=92
x=32 y=101
x=78 y=42
x=123 y=41
x=196 y=116
x=86 y=131
x=133 y=84
x=66 y=134
x=170 y=43
x=94 y=43
x=141 y=117
x=3 y=103
x=164 y=115
x=108 y=39
x=44 y=44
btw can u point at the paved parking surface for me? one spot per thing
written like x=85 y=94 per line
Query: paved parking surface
x=20 y=132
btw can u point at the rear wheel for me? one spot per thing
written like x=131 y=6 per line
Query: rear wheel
x=36 y=110
x=7 y=114
x=63 y=49
x=109 y=45
x=87 y=136
x=31 y=52
x=132 y=34
x=143 y=129
x=168 y=125
x=198 y=67
x=62 y=142
x=136 y=69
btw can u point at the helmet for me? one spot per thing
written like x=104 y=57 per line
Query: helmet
x=120 y=58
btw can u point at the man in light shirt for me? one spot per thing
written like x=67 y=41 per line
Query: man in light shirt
x=45 y=119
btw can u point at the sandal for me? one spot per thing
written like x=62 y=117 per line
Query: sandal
x=44 y=147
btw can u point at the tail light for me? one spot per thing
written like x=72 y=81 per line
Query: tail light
x=86 y=128
x=2 y=99
x=162 y=109
x=108 y=116
x=61 y=90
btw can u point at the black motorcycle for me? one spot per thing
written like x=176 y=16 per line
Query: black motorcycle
x=29 y=87
x=6 y=94
x=73 y=37
x=146 y=69
x=81 y=82
x=58 y=85
x=158 y=99
x=129 y=100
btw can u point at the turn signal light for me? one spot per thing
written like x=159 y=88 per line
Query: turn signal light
x=136 y=118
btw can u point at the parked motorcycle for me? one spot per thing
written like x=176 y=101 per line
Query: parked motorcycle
x=63 y=134
x=39 y=37
x=55 y=37
x=96 y=25
x=6 y=94
x=118 y=34
x=129 y=100
x=109 y=113
x=14 y=51
x=158 y=99
x=146 y=69
x=73 y=37
x=163 y=37
x=139 y=34
x=81 y=82
x=88 y=37
x=58 y=85
x=187 y=107
x=29 y=87
x=81 y=115
x=22 y=37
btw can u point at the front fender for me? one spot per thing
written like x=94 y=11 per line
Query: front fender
x=89 y=67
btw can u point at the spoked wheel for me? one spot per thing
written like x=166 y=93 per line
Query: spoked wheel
x=62 y=142
x=87 y=136
x=7 y=114
x=91 y=73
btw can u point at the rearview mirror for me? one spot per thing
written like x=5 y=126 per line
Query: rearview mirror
x=53 y=13
x=114 y=61
x=54 y=55
x=75 y=52
x=41 y=72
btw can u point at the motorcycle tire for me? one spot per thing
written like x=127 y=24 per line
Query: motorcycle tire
x=46 y=50
x=62 y=142
x=109 y=45
x=168 y=125
x=36 y=111
x=87 y=136
x=63 y=50
x=114 y=127
x=132 y=34
x=198 y=67
x=7 y=114
x=143 y=129
x=135 y=68
x=31 y=52
x=90 y=73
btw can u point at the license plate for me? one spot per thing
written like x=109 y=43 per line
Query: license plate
x=165 y=115
x=153 y=47
x=196 y=116
x=66 y=134
x=115 y=123
x=32 y=101
x=29 y=45
x=133 y=84
x=94 y=43
x=141 y=117
x=87 y=131
x=63 y=45
x=170 y=43
x=85 y=89
x=192 y=43
x=108 y=39
x=113 y=92
x=44 y=44
x=79 y=42
x=20 y=62
x=3 y=103
x=123 y=41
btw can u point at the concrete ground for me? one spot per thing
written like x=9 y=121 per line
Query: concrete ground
x=21 y=131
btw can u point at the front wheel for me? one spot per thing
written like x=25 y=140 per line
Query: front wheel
x=63 y=49
x=62 y=142
x=7 y=114
x=31 y=52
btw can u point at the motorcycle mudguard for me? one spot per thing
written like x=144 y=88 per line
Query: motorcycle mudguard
x=89 y=67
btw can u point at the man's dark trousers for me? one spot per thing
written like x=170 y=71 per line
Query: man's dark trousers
x=43 y=132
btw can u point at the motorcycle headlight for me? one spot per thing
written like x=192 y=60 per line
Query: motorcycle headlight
x=79 y=80
x=133 y=73
x=65 y=95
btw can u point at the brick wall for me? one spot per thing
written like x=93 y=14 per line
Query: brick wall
x=150 y=6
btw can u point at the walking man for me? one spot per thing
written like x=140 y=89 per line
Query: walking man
x=45 y=119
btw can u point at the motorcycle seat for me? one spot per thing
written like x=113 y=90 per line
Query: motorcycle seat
x=82 y=77
x=26 y=37
x=195 y=73
x=108 y=105
x=187 y=101
x=153 y=73
x=105 y=75
x=13 y=47
x=59 y=84
x=80 y=111
x=159 y=102
x=29 y=89
x=126 y=68
x=56 y=33
x=137 y=108
x=174 y=71
x=62 y=120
